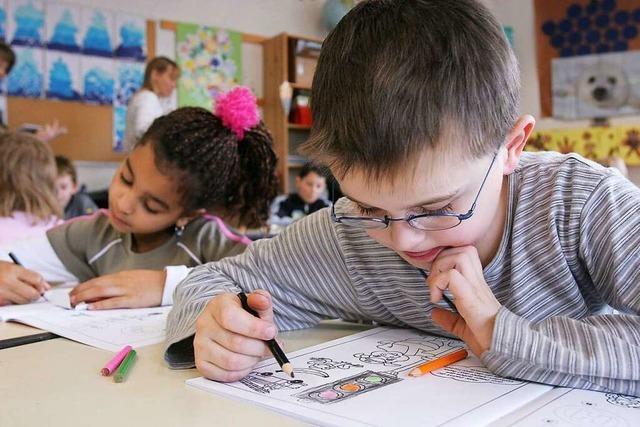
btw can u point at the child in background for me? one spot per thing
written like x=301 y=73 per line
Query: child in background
x=28 y=205
x=73 y=203
x=310 y=183
x=415 y=111
x=188 y=163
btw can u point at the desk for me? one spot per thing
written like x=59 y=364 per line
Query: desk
x=56 y=383
x=13 y=330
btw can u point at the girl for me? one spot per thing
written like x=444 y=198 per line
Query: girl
x=145 y=106
x=188 y=163
x=28 y=205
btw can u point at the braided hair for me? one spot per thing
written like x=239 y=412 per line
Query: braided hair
x=215 y=170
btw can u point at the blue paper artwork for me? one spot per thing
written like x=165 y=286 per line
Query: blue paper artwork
x=97 y=80
x=63 y=76
x=129 y=80
x=597 y=27
x=3 y=20
x=97 y=30
x=119 y=121
x=63 y=23
x=132 y=40
x=26 y=77
x=26 y=22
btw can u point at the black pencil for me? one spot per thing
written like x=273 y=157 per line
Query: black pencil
x=14 y=259
x=275 y=349
x=444 y=297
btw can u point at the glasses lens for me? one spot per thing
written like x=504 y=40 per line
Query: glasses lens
x=435 y=223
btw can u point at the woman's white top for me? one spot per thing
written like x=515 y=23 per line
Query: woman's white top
x=144 y=107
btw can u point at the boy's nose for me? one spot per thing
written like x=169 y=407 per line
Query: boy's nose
x=404 y=237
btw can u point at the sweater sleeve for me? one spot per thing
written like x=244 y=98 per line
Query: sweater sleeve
x=302 y=268
x=600 y=352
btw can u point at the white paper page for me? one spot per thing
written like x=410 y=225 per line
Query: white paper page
x=362 y=380
x=106 y=329
x=573 y=407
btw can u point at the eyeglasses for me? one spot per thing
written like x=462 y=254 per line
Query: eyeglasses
x=426 y=222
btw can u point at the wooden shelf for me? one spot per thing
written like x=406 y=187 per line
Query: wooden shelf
x=293 y=126
x=300 y=86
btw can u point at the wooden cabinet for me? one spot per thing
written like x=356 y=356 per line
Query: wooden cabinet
x=288 y=58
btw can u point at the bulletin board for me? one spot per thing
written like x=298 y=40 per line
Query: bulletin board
x=90 y=127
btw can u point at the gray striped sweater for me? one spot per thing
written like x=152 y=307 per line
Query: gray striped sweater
x=570 y=247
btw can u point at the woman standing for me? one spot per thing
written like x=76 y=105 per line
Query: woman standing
x=145 y=106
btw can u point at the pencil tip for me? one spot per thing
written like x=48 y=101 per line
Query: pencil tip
x=288 y=369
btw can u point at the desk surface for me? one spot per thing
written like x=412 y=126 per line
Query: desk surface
x=13 y=330
x=57 y=383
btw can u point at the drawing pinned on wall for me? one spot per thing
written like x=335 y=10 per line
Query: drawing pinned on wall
x=602 y=85
x=26 y=22
x=129 y=76
x=63 y=24
x=97 y=32
x=210 y=60
x=131 y=36
x=63 y=76
x=98 y=82
x=3 y=20
x=26 y=77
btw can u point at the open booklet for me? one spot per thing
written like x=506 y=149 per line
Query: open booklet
x=362 y=380
x=106 y=329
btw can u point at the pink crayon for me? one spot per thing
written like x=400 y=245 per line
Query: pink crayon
x=113 y=364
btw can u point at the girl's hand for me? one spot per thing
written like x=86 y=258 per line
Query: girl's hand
x=50 y=131
x=229 y=340
x=460 y=271
x=19 y=285
x=126 y=289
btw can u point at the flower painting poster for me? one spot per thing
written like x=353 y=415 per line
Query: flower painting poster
x=210 y=60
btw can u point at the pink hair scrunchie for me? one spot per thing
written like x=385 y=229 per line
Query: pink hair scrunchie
x=238 y=110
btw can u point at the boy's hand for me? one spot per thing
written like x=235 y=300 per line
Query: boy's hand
x=229 y=341
x=127 y=289
x=19 y=285
x=460 y=271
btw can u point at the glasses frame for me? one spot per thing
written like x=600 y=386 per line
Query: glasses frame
x=384 y=222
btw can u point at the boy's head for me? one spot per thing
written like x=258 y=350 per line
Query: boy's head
x=7 y=59
x=396 y=78
x=310 y=183
x=412 y=101
x=66 y=181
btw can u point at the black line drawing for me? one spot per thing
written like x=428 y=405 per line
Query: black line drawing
x=623 y=400
x=345 y=388
x=265 y=382
x=318 y=366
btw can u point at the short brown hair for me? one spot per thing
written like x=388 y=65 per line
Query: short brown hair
x=160 y=64
x=65 y=167
x=395 y=75
x=7 y=54
x=27 y=176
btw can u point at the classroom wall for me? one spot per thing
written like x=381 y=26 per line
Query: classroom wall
x=261 y=17
x=519 y=14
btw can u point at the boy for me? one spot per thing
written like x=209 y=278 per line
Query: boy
x=310 y=184
x=71 y=201
x=415 y=113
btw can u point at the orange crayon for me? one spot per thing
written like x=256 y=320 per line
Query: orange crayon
x=438 y=363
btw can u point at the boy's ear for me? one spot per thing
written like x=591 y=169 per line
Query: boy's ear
x=516 y=140
x=190 y=216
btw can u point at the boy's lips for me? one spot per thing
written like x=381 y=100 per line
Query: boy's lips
x=426 y=256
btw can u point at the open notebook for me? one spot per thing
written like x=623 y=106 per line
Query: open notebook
x=106 y=329
x=361 y=380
